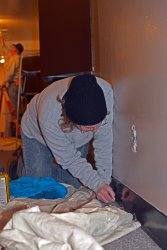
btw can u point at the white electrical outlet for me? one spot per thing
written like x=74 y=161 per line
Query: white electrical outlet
x=133 y=139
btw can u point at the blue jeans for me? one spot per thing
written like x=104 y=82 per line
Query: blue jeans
x=39 y=162
x=13 y=94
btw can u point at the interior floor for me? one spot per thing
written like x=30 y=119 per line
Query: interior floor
x=137 y=239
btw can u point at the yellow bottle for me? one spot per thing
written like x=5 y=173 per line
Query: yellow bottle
x=4 y=186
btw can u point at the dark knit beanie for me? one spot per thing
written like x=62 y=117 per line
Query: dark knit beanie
x=84 y=101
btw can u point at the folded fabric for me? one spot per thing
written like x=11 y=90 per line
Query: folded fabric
x=32 y=230
x=84 y=229
x=37 y=188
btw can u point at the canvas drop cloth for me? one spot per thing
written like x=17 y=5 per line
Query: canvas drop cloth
x=89 y=226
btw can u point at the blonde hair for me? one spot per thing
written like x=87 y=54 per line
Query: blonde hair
x=64 y=122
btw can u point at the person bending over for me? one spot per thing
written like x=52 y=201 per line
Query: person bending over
x=58 y=125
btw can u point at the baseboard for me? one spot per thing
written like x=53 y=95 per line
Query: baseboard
x=153 y=222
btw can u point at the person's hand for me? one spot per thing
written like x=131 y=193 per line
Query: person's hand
x=105 y=194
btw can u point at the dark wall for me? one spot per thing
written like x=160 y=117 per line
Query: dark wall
x=65 y=37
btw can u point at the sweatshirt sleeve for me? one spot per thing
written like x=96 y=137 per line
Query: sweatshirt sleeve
x=69 y=158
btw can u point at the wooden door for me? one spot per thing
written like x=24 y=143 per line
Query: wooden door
x=65 y=37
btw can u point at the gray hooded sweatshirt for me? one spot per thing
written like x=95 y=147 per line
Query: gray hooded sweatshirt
x=40 y=122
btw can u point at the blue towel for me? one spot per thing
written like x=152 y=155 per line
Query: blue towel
x=37 y=188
